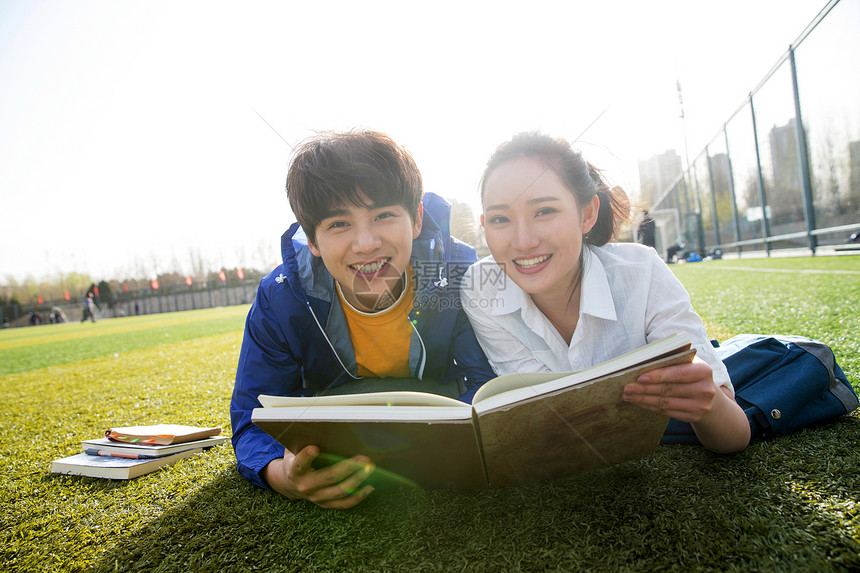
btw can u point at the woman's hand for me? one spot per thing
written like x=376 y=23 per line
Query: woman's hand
x=687 y=393
x=337 y=486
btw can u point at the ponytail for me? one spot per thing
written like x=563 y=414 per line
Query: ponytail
x=613 y=211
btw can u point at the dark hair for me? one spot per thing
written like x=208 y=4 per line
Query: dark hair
x=361 y=167
x=580 y=177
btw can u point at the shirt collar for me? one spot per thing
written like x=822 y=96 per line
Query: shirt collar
x=596 y=297
x=511 y=297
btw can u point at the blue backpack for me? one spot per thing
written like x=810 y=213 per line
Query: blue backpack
x=783 y=383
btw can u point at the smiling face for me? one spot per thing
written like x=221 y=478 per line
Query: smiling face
x=534 y=227
x=367 y=250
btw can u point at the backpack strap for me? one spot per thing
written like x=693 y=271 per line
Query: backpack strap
x=825 y=355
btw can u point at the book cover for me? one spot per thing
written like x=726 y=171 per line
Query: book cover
x=409 y=447
x=114 y=468
x=520 y=427
x=154 y=450
x=161 y=434
x=570 y=430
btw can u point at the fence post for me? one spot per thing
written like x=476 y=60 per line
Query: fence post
x=765 y=227
x=697 y=208
x=717 y=240
x=803 y=154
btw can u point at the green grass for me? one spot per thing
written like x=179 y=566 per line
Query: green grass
x=23 y=349
x=788 y=504
x=814 y=297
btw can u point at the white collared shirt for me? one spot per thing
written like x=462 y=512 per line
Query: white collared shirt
x=629 y=298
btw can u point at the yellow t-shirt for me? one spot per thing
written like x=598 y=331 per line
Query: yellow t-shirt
x=381 y=339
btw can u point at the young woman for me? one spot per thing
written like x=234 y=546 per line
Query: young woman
x=567 y=299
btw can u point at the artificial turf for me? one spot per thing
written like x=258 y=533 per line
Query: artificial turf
x=786 y=504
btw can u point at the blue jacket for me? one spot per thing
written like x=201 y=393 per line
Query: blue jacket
x=297 y=343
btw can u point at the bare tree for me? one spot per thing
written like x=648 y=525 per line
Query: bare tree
x=828 y=183
x=464 y=224
x=198 y=264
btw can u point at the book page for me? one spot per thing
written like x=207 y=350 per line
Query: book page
x=361 y=413
x=514 y=382
x=515 y=387
x=399 y=398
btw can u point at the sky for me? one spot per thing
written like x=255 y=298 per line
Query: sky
x=136 y=137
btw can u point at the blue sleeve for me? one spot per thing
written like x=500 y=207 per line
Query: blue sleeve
x=470 y=358
x=468 y=354
x=266 y=366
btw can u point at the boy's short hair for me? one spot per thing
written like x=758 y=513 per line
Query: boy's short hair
x=334 y=169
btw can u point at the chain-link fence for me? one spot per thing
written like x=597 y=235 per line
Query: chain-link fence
x=131 y=303
x=784 y=171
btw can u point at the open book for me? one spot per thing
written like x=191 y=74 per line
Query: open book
x=519 y=428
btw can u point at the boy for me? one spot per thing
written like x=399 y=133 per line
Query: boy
x=366 y=297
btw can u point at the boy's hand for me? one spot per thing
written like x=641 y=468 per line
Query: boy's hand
x=337 y=486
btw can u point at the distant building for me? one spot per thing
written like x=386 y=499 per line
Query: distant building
x=786 y=195
x=657 y=174
x=721 y=200
x=720 y=172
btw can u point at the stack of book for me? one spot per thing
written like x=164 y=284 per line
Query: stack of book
x=129 y=452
